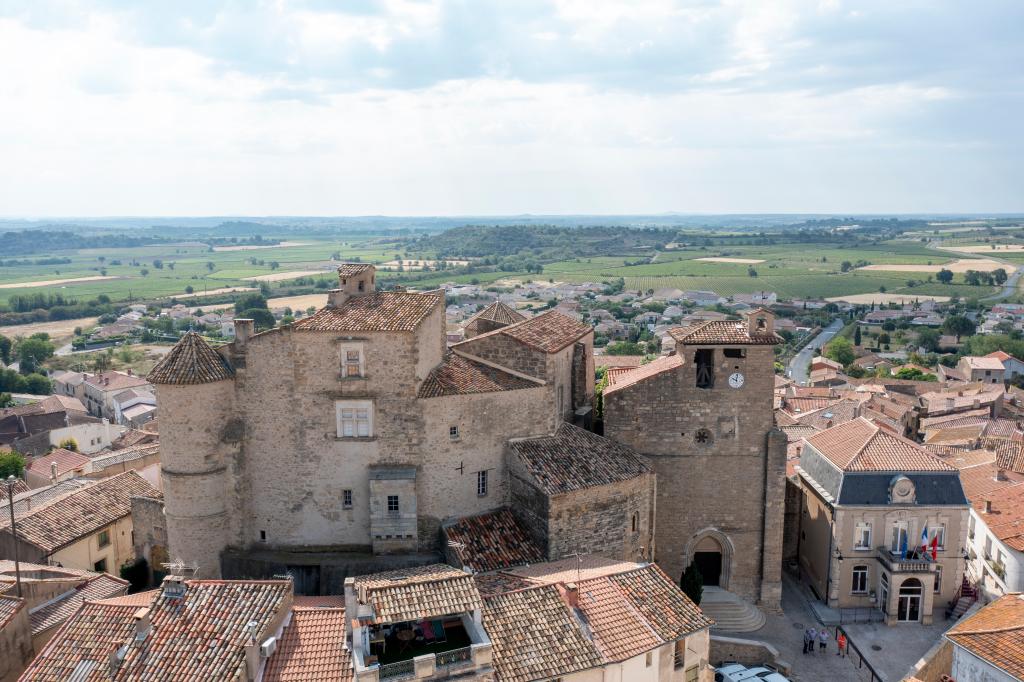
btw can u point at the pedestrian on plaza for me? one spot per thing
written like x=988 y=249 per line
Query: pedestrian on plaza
x=808 y=640
x=841 y=644
x=823 y=638
x=812 y=634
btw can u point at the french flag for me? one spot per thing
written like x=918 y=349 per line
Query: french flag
x=924 y=539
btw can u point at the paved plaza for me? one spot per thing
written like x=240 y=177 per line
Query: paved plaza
x=898 y=648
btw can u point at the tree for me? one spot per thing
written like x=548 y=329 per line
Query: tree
x=928 y=339
x=37 y=384
x=210 y=266
x=158 y=264
x=884 y=339
x=32 y=352
x=889 y=326
x=999 y=275
x=751 y=272
x=914 y=374
x=856 y=336
x=69 y=444
x=945 y=276
x=840 y=349
x=262 y=318
x=189 y=289
x=5 y=350
x=846 y=266
x=143 y=272
x=11 y=464
x=249 y=301
x=958 y=325
x=692 y=583
x=6 y=400
x=624 y=348
x=274 y=265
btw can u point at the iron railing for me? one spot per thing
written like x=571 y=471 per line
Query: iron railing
x=397 y=669
x=454 y=657
x=896 y=564
x=856 y=657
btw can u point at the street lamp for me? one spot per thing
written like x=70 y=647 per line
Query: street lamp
x=11 y=480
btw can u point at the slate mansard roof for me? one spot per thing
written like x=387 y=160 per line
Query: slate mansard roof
x=191 y=361
x=575 y=459
x=380 y=311
x=461 y=376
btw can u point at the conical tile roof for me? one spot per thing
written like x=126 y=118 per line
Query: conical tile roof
x=191 y=361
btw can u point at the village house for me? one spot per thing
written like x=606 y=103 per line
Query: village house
x=987 y=644
x=56 y=465
x=883 y=523
x=88 y=528
x=100 y=390
x=987 y=369
x=1012 y=367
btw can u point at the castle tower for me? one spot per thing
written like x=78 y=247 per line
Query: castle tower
x=704 y=417
x=195 y=391
x=355 y=279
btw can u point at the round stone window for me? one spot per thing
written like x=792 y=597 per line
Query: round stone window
x=702 y=437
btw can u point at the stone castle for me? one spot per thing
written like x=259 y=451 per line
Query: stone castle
x=350 y=440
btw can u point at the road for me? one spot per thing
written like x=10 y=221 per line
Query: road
x=797 y=370
x=1009 y=286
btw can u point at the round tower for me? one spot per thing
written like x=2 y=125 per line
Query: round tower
x=195 y=389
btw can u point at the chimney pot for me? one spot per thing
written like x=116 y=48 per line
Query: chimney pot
x=1000 y=474
x=988 y=506
x=243 y=330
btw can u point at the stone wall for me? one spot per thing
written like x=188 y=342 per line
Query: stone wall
x=600 y=521
x=149 y=533
x=15 y=643
x=714 y=486
x=749 y=652
x=506 y=352
x=791 y=534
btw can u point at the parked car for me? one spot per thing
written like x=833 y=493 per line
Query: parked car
x=725 y=672
x=736 y=672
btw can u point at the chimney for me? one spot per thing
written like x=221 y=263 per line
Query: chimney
x=336 y=297
x=1000 y=474
x=571 y=596
x=988 y=506
x=243 y=330
x=142 y=624
x=53 y=473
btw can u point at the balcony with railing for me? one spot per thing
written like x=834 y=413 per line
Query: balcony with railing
x=427 y=649
x=914 y=562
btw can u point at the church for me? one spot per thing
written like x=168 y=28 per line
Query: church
x=355 y=440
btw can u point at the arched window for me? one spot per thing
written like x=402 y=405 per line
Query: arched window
x=860 y=580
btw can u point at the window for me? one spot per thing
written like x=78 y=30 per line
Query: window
x=970 y=527
x=898 y=537
x=561 y=398
x=453 y=432
x=393 y=504
x=104 y=538
x=100 y=566
x=481 y=484
x=263 y=536
x=362 y=285
x=704 y=361
x=346 y=499
x=702 y=437
x=988 y=546
x=735 y=352
x=938 y=579
x=636 y=521
x=860 y=580
x=355 y=419
x=649 y=659
x=862 y=536
x=352 y=362
x=937 y=532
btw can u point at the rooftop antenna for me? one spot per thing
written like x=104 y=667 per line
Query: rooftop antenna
x=579 y=564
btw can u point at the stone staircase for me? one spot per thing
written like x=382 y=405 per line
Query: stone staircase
x=961 y=606
x=730 y=613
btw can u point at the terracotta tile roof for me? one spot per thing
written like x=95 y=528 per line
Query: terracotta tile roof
x=83 y=645
x=500 y=313
x=995 y=634
x=1006 y=518
x=574 y=459
x=311 y=648
x=353 y=269
x=326 y=601
x=722 y=332
x=461 y=376
x=1002 y=356
x=953 y=435
x=797 y=431
x=799 y=405
x=837 y=412
x=102 y=586
x=19 y=487
x=138 y=599
x=500 y=582
x=199 y=637
x=107 y=459
x=859 y=445
x=67 y=461
x=534 y=636
x=783 y=418
x=618 y=361
x=133 y=437
x=666 y=363
x=191 y=361
x=548 y=332
x=795 y=391
x=619 y=631
x=488 y=542
x=381 y=311
x=573 y=569
x=80 y=513
x=1009 y=453
x=37 y=497
x=983 y=362
x=662 y=604
x=114 y=381
x=418 y=593
x=931 y=422
x=9 y=607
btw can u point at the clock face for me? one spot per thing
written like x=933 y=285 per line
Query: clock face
x=735 y=379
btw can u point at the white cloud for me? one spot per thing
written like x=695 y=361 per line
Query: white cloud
x=431 y=108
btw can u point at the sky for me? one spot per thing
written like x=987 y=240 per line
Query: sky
x=485 y=107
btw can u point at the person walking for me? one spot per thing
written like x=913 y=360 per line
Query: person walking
x=812 y=635
x=841 y=645
x=808 y=640
x=823 y=638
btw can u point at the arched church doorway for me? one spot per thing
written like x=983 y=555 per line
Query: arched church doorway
x=707 y=555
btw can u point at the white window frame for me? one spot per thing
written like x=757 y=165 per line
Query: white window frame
x=482 y=483
x=894 y=542
x=398 y=505
x=853 y=581
x=352 y=348
x=346 y=498
x=858 y=534
x=453 y=432
x=341 y=419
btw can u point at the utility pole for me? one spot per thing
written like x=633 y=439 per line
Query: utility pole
x=11 y=480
